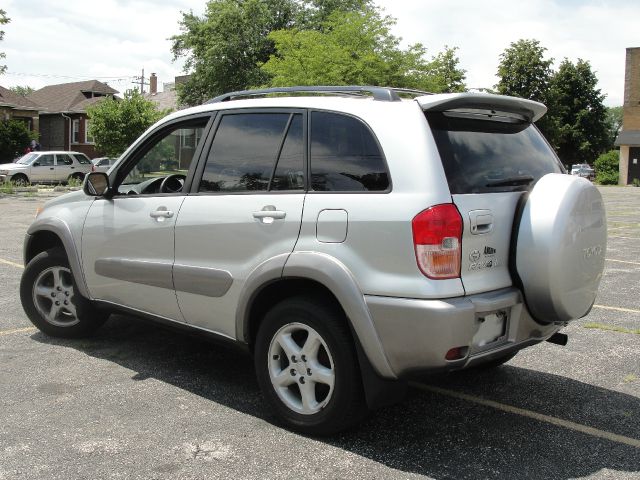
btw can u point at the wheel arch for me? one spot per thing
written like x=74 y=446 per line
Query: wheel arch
x=318 y=274
x=51 y=233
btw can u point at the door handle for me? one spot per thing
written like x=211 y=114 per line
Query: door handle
x=161 y=213
x=269 y=213
x=481 y=221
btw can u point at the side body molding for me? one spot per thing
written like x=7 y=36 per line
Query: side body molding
x=60 y=228
x=336 y=277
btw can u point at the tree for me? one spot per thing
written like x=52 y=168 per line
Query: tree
x=524 y=72
x=577 y=109
x=14 y=139
x=116 y=123
x=3 y=21
x=614 y=120
x=357 y=48
x=223 y=48
x=607 y=168
x=22 y=90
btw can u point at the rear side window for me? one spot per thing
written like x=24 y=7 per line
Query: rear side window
x=482 y=155
x=82 y=158
x=256 y=152
x=64 y=159
x=345 y=156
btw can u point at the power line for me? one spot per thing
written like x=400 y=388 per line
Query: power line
x=73 y=77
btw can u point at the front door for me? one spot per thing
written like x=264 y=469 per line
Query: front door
x=43 y=169
x=128 y=240
x=245 y=210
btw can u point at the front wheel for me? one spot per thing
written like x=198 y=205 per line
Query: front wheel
x=20 y=180
x=307 y=367
x=51 y=301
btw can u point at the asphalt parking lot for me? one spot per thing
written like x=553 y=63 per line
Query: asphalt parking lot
x=137 y=401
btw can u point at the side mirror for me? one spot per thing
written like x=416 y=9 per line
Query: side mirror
x=35 y=164
x=96 y=184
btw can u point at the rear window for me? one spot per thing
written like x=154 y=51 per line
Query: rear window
x=482 y=155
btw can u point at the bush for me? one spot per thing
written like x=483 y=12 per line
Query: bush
x=606 y=166
x=14 y=139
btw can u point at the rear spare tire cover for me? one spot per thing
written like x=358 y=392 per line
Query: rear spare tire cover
x=561 y=245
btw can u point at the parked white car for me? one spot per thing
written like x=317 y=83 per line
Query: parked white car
x=583 y=170
x=102 y=164
x=46 y=167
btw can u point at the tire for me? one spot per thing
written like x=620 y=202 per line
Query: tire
x=20 y=180
x=47 y=280
x=560 y=248
x=286 y=360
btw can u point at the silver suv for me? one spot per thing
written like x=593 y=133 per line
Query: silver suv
x=349 y=238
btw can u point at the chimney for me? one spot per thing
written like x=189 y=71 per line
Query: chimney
x=153 y=84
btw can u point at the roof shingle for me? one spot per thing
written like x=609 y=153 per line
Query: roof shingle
x=12 y=99
x=69 y=97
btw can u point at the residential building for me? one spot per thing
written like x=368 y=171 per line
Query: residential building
x=629 y=138
x=17 y=107
x=168 y=98
x=63 y=116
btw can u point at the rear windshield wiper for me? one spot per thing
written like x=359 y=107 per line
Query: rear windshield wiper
x=512 y=181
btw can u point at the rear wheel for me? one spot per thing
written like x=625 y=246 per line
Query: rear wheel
x=307 y=367
x=51 y=301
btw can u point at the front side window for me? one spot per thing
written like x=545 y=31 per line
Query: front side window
x=45 y=160
x=165 y=155
x=345 y=156
x=256 y=152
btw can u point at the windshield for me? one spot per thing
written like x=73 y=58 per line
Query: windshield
x=27 y=159
x=482 y=155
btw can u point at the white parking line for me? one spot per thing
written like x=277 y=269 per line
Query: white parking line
x=14 y=264
x=17 y=330
x=594 y=432
x=621 y=261
x=617 y=309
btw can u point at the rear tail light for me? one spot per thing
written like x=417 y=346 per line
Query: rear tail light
x=437 y=238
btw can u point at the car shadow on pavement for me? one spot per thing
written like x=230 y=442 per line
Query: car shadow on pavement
x=429 y=433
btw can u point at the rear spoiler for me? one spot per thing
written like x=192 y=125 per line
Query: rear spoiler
x=529 y=109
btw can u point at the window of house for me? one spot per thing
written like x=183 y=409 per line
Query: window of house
x=249 y=148
x=75 y=131
x=87 y=137
x=345 y=156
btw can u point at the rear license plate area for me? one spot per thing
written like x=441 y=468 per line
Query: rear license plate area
x=492 y=331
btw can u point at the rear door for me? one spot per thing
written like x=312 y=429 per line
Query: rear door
x=65 y=167
x=490 y=158
x=246 y=209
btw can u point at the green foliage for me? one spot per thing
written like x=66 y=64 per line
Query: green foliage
x=223 y=48
x=22 y=90
x=524 y=72
x=614 y=120
x=3 y=21
x=14 y=139
x=115 y=124
x=357 y=48
x=636 y=182
x=606 y=166
x=577 y=109
x=239 y=44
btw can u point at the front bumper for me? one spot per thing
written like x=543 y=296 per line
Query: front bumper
x=417 y=334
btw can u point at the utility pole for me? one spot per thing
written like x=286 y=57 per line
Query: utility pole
x=141 y=80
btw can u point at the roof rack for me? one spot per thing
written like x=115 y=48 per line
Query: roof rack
x=378 y=93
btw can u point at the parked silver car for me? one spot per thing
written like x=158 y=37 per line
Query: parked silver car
x=583 y=170
x=46 y=167
x=102 y=164
x=347 y=240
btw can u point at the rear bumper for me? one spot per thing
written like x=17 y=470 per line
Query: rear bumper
x=417 y=334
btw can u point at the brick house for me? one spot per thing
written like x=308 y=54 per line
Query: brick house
x=629 y=138
x=17 y=107
x=63 y=115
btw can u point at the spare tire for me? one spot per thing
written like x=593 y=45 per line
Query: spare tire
x=560 y=247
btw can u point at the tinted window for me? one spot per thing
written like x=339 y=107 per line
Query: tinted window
x=82 y=158
x=64 y=159
x=45 y=160
x=344 y=155
x=289 y=173
x=481 y=155
x=244 y=152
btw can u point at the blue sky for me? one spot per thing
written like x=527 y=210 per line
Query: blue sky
x=51 y=42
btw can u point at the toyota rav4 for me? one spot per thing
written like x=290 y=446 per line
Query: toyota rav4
x=348 y=237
